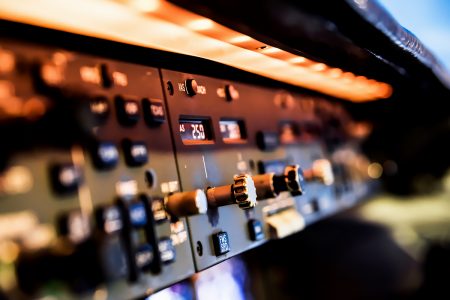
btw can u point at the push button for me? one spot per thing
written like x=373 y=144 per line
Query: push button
x=255 y=230
x=154 y=113
x=136 y=153
x=144 y=256
x=138 y=216
x=99 y=108
x=159 y=211
x=66 y=178
x=105 y=155
x=166 y=250
x=109 y=219
x=221 y=243
x=75 y=226
x=127 y=111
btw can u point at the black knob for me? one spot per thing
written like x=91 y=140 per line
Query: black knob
x=191 y=87
x=231 y=93
x=270 y=185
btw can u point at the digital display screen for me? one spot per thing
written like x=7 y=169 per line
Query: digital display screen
x=232 y=131
x=195 y=131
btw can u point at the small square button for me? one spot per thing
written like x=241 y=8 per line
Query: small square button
x=99 y=108
x=144 y=256
x=159 y=211
x=66 y=178
x=74 y=225
x=105 y=155
x=154 y=113
x=109 y=219
x=136 y=153
x=138 y=215
x=255 y=230
x=221 y=243
x=166 y=250
x=128 y=111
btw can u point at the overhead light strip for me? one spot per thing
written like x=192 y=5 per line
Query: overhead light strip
x=161 y=25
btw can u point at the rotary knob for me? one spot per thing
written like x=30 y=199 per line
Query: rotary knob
x=321 y=171
x=293 y=176
x=270 y=185
x=186 y=203
x=242 y=193
x=191 y=87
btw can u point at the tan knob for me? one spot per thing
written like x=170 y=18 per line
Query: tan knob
x=321 y=171
x=186 y=203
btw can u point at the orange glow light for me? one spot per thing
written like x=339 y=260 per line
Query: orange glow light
x=161 y=25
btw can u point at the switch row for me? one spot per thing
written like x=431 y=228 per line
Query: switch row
x=128 y=110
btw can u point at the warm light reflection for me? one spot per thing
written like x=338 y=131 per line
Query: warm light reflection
x=200 y=24
x=240 y=39
x=375 y=170
x=271 y=50
x=145 y=5
x=297 y=60
x=318 y=67
x=161 y=25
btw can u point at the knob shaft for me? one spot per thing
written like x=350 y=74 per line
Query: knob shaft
x=186 y=203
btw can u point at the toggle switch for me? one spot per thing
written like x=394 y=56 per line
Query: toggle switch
x=269 y=185
x=242 y=192
x=321 y=171
x=185 y=204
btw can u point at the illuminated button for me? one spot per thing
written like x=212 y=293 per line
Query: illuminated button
x=144 y=256
x=255 y=230
x=154 y=113
x=66 y=178
x=166 y=250
x=158 y=209
x=191 y=87
x=128 y=111
x=136 y=153
x=221 y=243
x=231 y=93
x=75 y=226
x=267 y=141
x=105 y=155
x=138 y=215
x=109 y=219
x=99 y=108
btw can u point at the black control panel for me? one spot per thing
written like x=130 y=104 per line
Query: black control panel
x=128 y=178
